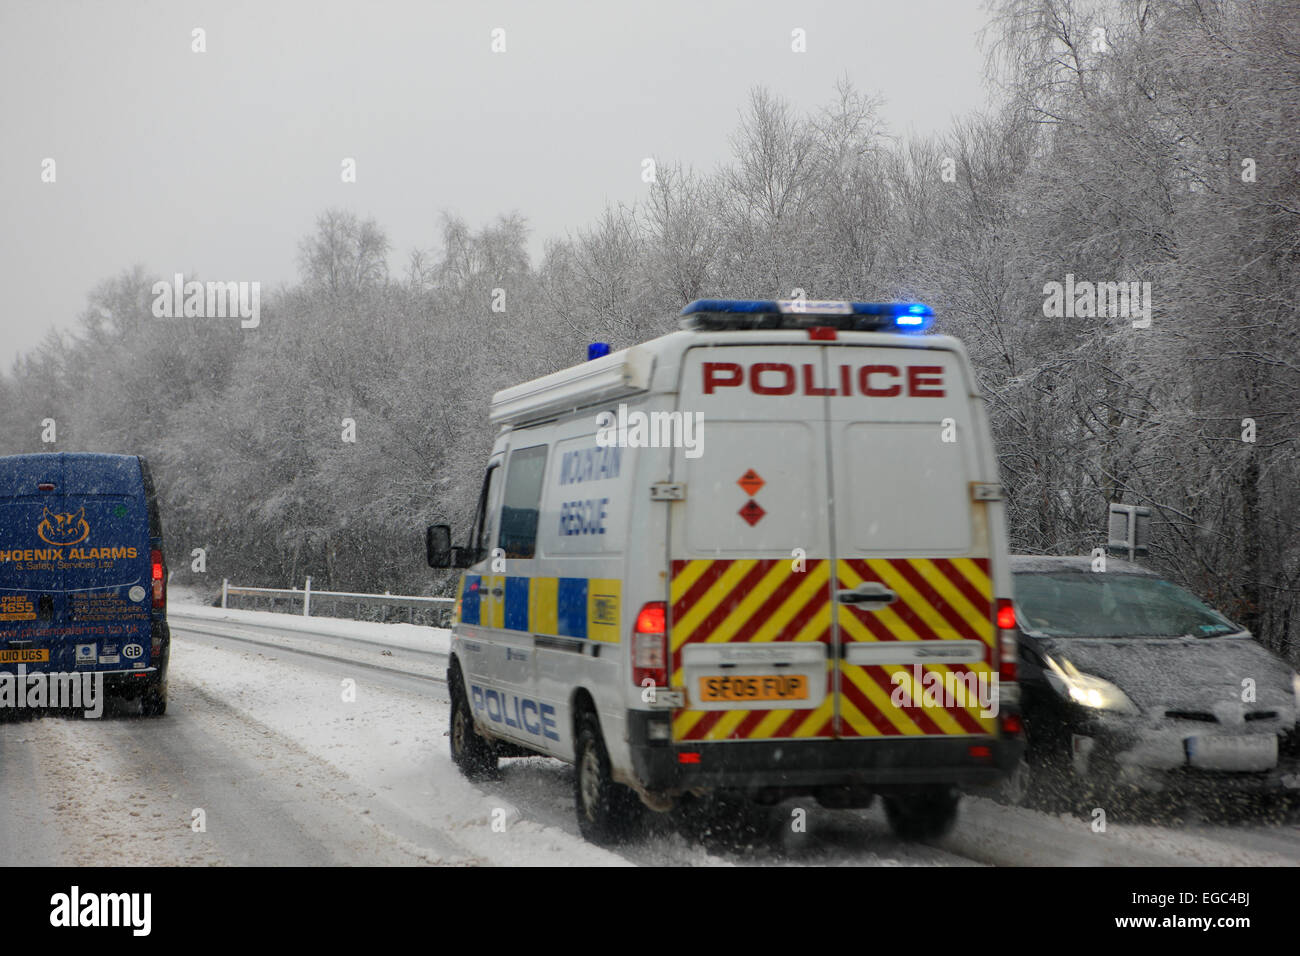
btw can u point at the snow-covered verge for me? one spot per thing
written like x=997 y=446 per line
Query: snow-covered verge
x=409 y=636
x=389 y=741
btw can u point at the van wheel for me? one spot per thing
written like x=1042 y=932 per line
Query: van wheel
x=153 y=702
x=924 y=815
x=607 y=811
x=475 y=756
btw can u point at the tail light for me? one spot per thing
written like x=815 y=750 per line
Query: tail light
x=1008 y=646
x=650 y=646
x=156 y=574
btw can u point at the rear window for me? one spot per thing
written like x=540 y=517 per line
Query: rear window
x=1113 y=605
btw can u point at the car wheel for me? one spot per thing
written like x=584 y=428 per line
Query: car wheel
x=923 y=815
x=1017 y=789
x=1041 y=778
x=607 y=811
x=474 y=755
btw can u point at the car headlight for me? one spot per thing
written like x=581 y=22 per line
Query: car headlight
x=1088 y=690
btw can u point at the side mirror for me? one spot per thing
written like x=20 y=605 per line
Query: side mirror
x=437 y=546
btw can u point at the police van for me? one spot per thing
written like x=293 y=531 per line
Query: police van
x=764 y=554
x=82 y=579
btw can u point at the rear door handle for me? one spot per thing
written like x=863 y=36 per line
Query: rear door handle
x=868 y=592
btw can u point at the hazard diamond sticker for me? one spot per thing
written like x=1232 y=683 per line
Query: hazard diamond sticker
x=751 y=483
x=752 y=512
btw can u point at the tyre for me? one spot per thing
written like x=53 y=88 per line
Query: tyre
x=470 y=751
x=1041 y=778
x=1016 y=789
x=607 y=811
x=153 y=702
x=923 y=815
x=730 y=822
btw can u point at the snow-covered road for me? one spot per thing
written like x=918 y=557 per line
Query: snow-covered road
x=311 y=741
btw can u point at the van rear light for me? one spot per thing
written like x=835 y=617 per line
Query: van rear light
x=650 y=646
x=1006 y=615
x=1008 y=645
x=156 y=573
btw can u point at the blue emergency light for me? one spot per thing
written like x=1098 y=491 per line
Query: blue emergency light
x=723 y=314
x=597 y=350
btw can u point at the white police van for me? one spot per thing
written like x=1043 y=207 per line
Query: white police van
x=764 y=554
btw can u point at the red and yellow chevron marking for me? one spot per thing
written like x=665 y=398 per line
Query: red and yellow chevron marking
x=938 y=599
x=752 y=600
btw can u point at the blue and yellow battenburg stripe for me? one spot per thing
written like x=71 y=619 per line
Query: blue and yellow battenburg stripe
x=585 y=608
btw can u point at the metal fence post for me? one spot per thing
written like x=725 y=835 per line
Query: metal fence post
x=225 y=590
x=306 y=598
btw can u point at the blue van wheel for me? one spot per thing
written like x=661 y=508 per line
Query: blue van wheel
x=153 y=702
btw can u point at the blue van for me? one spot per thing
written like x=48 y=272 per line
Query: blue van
x=83 y=586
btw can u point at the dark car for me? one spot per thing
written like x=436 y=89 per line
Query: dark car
x=83 y=590
x=1129 y=681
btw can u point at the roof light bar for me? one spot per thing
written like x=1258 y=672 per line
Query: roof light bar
x=721 y=314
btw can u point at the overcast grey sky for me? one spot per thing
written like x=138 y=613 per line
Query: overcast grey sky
x=217 y=163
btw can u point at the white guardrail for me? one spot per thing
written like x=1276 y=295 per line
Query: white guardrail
x=439 y=607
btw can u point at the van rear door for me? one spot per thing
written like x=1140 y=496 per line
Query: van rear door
x=31 y=576
x=913 y=591
x=750 y=609
x=76 y=531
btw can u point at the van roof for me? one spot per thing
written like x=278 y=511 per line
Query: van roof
x=72 y=473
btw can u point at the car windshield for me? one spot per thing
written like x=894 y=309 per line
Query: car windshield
x=1071 y=604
